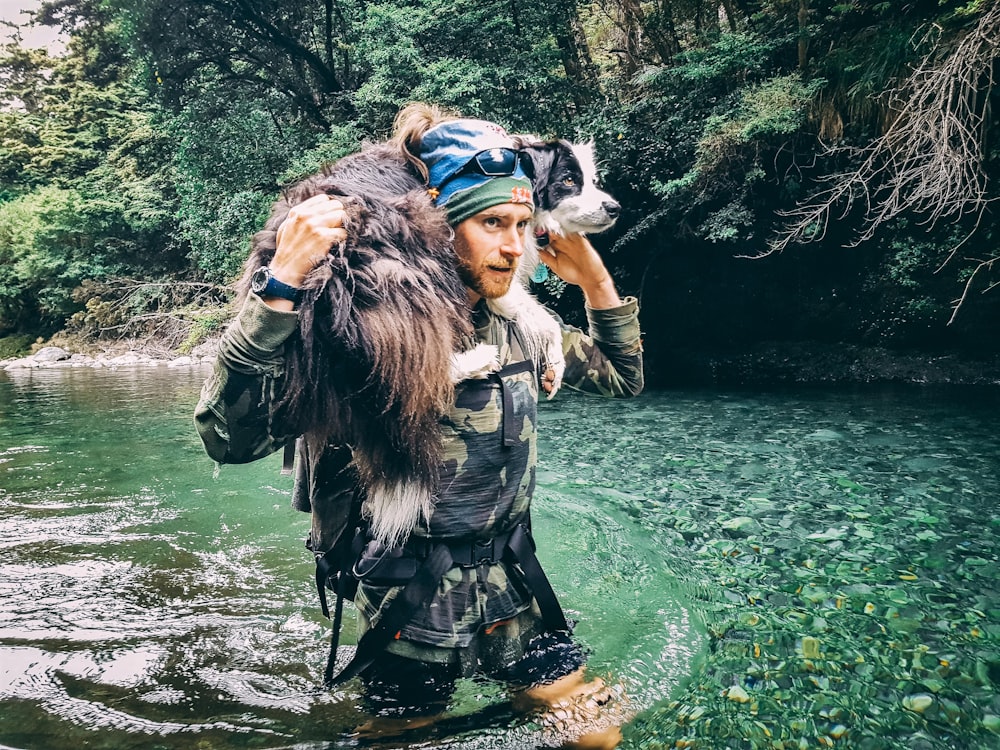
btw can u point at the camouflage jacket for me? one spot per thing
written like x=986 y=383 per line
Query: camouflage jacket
x=488 y=474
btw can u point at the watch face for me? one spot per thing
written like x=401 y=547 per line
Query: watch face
x=258 y=282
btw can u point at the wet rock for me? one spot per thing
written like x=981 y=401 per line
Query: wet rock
x=918 y=703
x=737 y=694
x=206 y=349
x=740 y=526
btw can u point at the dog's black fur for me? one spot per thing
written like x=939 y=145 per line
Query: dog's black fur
x=554 y=173
x=378 y=322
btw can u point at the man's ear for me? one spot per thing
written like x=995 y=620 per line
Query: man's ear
x=538 y=167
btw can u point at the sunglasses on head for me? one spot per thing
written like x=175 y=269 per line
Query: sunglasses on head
x=493 y=162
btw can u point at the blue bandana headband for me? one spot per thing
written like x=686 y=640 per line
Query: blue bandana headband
x=447 y=149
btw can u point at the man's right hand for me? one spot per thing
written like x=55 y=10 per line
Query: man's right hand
x=304 y=240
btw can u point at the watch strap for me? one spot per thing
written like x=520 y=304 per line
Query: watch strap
x=276 y=288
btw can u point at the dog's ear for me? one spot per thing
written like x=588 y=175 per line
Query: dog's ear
x=541 y=157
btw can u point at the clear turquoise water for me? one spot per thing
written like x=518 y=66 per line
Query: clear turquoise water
x=789 y=569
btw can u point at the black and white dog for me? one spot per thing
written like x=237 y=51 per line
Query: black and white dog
x=567 y=200
x=566 y=192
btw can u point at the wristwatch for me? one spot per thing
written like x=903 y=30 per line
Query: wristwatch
x=263 y=284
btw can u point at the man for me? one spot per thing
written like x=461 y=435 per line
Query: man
x=485 y=606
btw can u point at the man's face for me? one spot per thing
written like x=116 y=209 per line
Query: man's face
x=489 y=246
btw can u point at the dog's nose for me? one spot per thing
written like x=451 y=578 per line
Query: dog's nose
x=611 y=208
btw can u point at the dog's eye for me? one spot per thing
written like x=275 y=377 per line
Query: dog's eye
x=569 y=182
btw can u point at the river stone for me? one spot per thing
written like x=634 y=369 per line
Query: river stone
x=51 y=354
x=206 y=349
x=737 y=694
x=180 y=362
x=125 y=360
x=918 y=703
x=24 y=363
x=740 y=526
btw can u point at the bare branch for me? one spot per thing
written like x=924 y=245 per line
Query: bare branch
x=929 y=160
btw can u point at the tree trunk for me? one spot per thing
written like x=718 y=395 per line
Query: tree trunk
x=659 y=35
x=328 y=34
x=730 y=15
x=575 y=52
x=803 y=34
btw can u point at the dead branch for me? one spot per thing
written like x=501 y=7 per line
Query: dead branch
x=929 y=161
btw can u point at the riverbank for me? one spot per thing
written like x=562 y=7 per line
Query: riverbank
x=805 y=363
x=767 y=363
x=55 y=357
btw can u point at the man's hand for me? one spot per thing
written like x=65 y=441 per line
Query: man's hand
x=574 y=260
x=304 y=240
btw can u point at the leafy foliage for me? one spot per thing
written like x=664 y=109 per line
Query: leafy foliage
x=47 y=246
x=170 y=126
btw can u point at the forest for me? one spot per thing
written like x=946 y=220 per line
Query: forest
x=797 y=176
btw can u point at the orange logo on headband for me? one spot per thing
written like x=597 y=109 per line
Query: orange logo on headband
x=520 y=195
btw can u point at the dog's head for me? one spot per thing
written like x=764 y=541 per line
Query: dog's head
x=567 y=198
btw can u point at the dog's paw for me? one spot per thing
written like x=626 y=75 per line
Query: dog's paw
x=475 y=363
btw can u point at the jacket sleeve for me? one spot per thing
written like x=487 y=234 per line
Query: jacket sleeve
x=233 y=416
x=608 y=360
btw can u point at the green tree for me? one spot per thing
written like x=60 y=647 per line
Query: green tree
x=86 y=179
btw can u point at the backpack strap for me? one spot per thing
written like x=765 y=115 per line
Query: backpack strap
x=335 y=564
x=440 y=557
x=509 y=428
x=522 y=546
x=397 y=613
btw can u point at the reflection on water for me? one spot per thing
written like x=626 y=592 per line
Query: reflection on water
x=149 y=603
x=757 y=570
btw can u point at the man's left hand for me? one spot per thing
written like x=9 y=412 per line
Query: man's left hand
x=574 y=260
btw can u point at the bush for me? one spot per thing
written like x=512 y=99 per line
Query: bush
x=12 y=347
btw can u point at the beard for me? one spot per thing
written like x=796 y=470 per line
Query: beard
x=484 y=280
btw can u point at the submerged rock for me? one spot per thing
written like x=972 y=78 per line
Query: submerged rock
x=918 y=703
x=737 y=694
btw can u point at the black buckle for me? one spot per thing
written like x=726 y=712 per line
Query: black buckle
x=482 y=552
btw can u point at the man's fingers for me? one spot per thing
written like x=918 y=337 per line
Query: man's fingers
x=321 y=202
x=306 y=236
x=321 y=208
x=549 y=380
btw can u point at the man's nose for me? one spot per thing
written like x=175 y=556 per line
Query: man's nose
x=513 y=245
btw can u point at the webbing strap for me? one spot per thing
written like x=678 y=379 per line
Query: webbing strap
x=511 y=431
x=397 y=613
x=419 y=589
x=323 y=568
x=524 y=552
x=338 y=616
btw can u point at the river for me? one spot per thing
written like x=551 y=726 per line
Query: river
x=798 y=568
